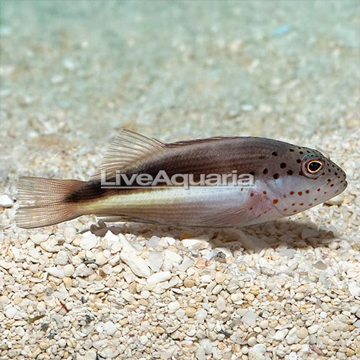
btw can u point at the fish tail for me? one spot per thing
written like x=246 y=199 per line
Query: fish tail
x=46 y=201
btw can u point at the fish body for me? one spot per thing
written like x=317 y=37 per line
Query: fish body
x=287 y=179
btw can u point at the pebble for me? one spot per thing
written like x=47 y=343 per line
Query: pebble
x=100 y=259
x=144 y=339
x=62 y=343
x=280 y=335
x=257 y=352
x=57 y=272
x=82 y=271
x=220 y=277
x=88 y=241
x=201 y=242
x=237 y=297
x=109 y=328
x=69 y=270
x=39 y=238
x=320 y=265
x=292 y=338
x=206 y=345
x=250 y=318
x=189 y=283
x=67 y=281
x=136 y=263
x=44 y=345
x=190 y=311
x=50 y=245
x=354 y=288
x=10 y=312
x=91 y=355
x=69 y=234
x=4 y=264
x=313 y=329
x=221 y=304
x=302 y=333
x=159 y=277
x=61 y=258
x=153 y=242
x=6 y=201
x=173 y=306
x=201 y=315
x=111 y=237
x=155 y=260
x=127 y=296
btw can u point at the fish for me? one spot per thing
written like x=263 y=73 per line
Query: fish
x=282 y=180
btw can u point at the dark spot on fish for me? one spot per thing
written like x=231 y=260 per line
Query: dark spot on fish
x=264 y=192
x=291 y=150
x=290 y=172
x=274 y=153
x=292 y=192
x=276 y=176
x=300 y=193
x=329 y=180
x=252 y=194
x=307 y=191
x=251 y=208
x=294 y=211
x=283 y=165
x=285 y=196
x=310 y=204
x=293 y=204
x=252 y=173
x=318 y=189
x=325 y=192
x=301 y=152
x=336 y=173
x=332 y=185
x=285 y=209
x=265 y=171
x=298 y=161
x=301 y=204
x=275 y=201
x=315 y=199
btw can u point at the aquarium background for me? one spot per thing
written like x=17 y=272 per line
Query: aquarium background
x=85 y=69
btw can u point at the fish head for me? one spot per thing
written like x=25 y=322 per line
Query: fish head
x=301 y=178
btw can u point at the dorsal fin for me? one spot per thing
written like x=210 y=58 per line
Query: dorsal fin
x=128 y=148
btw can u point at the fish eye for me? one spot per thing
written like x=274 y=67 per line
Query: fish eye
x=314 y=166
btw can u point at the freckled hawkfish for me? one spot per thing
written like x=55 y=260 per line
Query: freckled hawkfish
x=287 y=179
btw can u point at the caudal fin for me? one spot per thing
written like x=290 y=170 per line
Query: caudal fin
x=44 y=202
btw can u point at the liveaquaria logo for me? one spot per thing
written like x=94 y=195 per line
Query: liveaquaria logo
x=163 y=180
